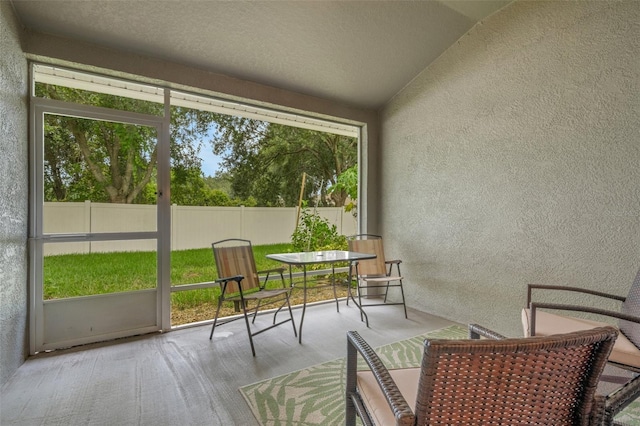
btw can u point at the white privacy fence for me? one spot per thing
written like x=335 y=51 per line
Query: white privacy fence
x=191 y=227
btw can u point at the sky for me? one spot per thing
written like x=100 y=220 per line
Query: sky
x=210 y=161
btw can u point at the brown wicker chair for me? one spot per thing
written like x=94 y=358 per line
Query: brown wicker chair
x=536 y=321
x=240 y=283
x=527 y=381
x=372 y=275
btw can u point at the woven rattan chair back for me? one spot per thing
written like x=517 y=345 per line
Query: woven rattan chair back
x=527 y=381
x=370 y=244
x=235 y=257
x=544 y=381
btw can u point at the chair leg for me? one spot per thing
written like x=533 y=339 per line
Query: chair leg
x=349 y=285
x=215 y=320
x=360 y=301
x=363 y=315
x=350 y=415
x=333 y=285
x=275 y=315
x=404 y=304
x=255 y=312
x=288 y=304
x=386 y=292
x=284 y=303
x=293 y=324
x=246 y=320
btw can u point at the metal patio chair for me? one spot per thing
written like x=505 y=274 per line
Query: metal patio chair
x=240 y=283
x=373 y=275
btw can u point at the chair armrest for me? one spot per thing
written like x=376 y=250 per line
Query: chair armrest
x=278 y=270
x=576 y=308
x=236 y=278
x=623 y=396
x=225 y=280
x=396 y=262
x=476 y=331
x=531 y=287
x=357 y=345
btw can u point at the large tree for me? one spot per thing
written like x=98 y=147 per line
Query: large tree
x=268 y=160
x=263 y=163
x=114 y=162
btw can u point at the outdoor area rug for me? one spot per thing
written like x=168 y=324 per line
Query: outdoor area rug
x=314 y=396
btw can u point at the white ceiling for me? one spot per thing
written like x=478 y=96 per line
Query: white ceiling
x=358 y=52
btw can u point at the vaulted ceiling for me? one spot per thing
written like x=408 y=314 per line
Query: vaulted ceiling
x=358 y=52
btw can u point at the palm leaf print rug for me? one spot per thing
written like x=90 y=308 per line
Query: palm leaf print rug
x=314 y=396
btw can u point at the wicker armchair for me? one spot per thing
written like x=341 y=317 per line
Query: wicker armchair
x=526 y=381
x=538 y=321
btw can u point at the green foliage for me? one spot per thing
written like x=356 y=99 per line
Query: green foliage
x=267 y=161
x=97 y=160
x=113 y=162
x=221 y=181
x=262 y=163
x=348 y=182
x=314 y=233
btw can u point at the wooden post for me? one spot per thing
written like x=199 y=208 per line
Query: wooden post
x=304 y=177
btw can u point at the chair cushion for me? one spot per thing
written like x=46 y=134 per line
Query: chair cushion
x=624 y=351
x=631 y=306
x=374 y=400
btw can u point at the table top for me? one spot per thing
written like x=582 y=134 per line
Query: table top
x=327 y=256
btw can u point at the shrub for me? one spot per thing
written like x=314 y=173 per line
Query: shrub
x=315 y=233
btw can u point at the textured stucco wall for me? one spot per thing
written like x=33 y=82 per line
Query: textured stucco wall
x=515 y=158
x=13 y=196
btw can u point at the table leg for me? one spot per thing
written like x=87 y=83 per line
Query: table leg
x=290 y=277
x=333 y=285
x=350 y=295
x=304 y=300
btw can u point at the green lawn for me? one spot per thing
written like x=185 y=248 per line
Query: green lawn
x=75 y=275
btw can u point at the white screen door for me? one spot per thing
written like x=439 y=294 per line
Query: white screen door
x=98 y=224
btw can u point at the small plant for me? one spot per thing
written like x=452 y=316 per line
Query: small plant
x=314 y=233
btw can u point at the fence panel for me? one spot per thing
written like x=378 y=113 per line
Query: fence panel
x=265 y=225
x=67 y=218
x=191 y=227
